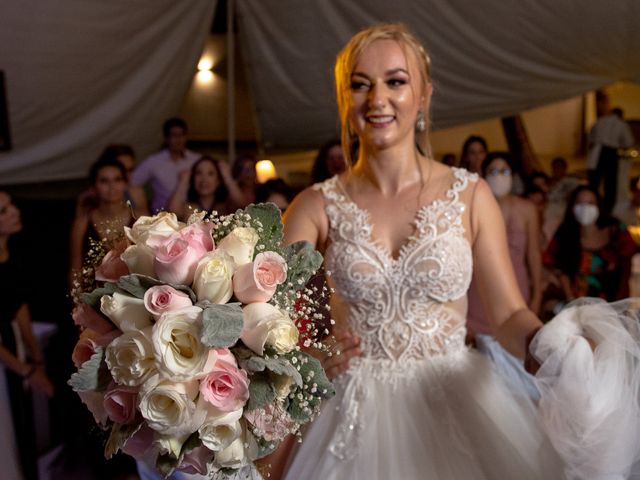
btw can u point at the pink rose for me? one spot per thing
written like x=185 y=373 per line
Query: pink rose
x=112 y=266
x=120 y=403
x=88 y=343
x=140 y=442
x=257 y=281
x=196 y=461
x=163 y=298
x=83 y=350
x=177 y=256
x=226 y=386
x=85 y=316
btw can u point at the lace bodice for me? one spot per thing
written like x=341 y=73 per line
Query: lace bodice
x=413 y=306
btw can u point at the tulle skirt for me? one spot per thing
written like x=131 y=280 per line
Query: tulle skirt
x=455 y=417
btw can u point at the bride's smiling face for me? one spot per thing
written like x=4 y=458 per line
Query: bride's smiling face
x=386 y=94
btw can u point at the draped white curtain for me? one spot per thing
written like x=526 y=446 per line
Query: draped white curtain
x=84 y=73
x=490 y=58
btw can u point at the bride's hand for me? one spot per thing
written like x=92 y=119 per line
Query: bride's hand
x=347 y=346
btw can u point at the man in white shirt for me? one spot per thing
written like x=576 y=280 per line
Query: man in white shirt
x=608 y=134
x=161 y=170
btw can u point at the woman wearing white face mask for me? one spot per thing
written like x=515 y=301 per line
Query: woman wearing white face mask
x=590 y=250
x=522 y=234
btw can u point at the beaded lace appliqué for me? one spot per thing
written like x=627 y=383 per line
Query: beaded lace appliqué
x=397 y=306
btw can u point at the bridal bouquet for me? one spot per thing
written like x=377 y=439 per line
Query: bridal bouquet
x=190 y=351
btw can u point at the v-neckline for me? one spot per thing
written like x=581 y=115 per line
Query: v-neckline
x=408 y=242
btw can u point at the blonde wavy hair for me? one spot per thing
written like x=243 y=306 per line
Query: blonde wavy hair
x=346 y=61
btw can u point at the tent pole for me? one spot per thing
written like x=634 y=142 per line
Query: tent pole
x=231 y=85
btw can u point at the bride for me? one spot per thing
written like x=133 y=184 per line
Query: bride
x=402 y=235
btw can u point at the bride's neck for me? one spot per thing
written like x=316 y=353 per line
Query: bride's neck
x=391 y=170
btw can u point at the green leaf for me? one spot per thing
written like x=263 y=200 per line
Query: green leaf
x=118 y=437
x=137 y=285
x=261 y=392
x=270 y=217
x=93 y=375
x=281 y=366
x=222 y=325
x=303 y=261
x=316 y=387
x=93 y=298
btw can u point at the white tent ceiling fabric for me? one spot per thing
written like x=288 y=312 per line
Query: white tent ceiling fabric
x=83 y=73
x=489 y=58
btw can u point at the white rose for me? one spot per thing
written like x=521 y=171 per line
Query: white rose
x=169 y=407
x=176 y=342
x=242 y=450
x=240 y=244
x=265 y=324
x=163 y=224
x=219 y=429
x=213 y=280
x=126 y=311
x=139 y=259
x=170 y=444
x=130 y=357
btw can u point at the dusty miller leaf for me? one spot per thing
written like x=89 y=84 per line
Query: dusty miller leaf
x=261 y=392
x=222 y=325
x=137 y=285
x=118 y=437
x=93 y=298
x=303 y=261
x=280 y=366
x=270 y=217
x=93 y=375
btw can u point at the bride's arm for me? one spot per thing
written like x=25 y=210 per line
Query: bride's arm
x=512 y=321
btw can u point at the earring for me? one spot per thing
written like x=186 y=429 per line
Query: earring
x=421 y=124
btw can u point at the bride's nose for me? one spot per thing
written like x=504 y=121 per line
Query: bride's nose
x=376 y=96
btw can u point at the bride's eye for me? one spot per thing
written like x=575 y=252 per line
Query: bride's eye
x=396 y=82
x=358 y=85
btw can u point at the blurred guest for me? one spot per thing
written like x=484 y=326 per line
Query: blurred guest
x=104 y=219
x=328 y=162
x=627 y=211
x=449 y=159
x=243 y=172
x=474 y=151
x=591 y=250
x=161 y=170
x=206 y=187
x=523 y=236
x=15 y=287
x=608 y=134
x=539 y=180
x=275 y=191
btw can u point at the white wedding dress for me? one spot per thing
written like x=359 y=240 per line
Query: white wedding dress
x=419 y=404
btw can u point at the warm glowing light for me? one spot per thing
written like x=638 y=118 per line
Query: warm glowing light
x=205 y=75
x=265 y=170
x=205 y=64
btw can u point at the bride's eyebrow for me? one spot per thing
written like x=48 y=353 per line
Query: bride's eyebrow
x=388 y=73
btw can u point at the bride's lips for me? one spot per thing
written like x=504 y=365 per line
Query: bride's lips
x=379 y=121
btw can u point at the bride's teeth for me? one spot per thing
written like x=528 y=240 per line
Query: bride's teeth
x=380 y=119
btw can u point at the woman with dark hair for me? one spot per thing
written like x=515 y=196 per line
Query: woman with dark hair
x=591 y=250
x=474 y=151
x=15 y=287
x=206 y=187
x=328 y=162
x=103 y=219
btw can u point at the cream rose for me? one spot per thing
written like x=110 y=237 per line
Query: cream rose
x=257 y=281
x=213 y=278
x=242 y=450
x=130 y=357
x=127 y=312
x=139 y=259
x=163 y=224
x=169 y=407
x=240 y=244
x=219 y=429
x=176 y=342
x=265 y=324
